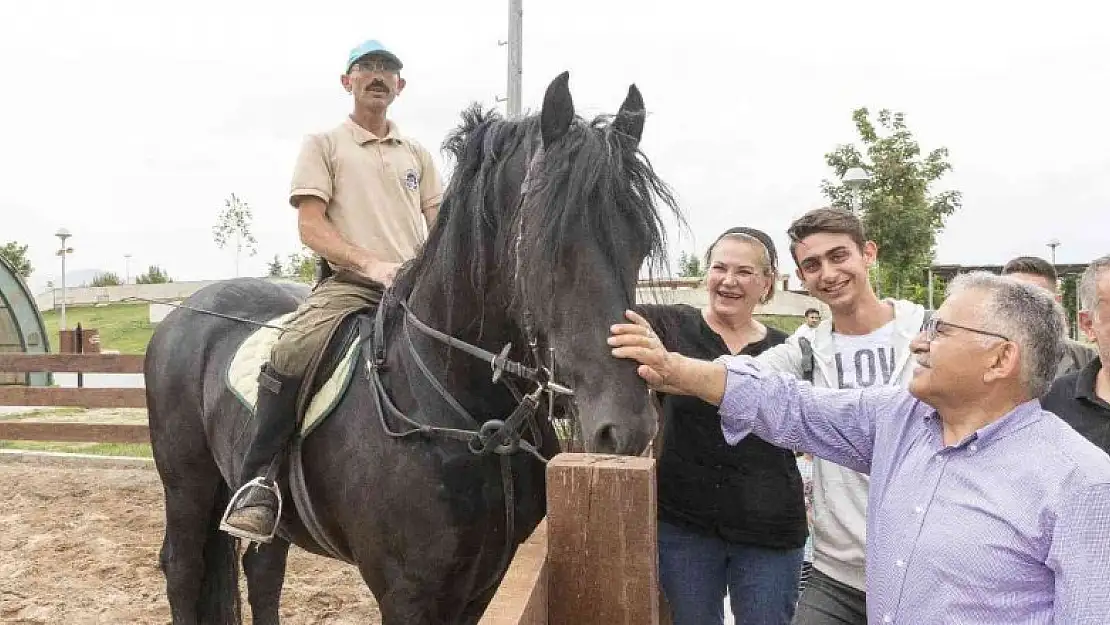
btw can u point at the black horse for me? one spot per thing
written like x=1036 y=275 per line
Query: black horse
x=542 y=233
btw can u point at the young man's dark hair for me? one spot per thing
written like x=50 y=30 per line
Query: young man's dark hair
x=825 y=220
x=1031 y=265
x=811 y=310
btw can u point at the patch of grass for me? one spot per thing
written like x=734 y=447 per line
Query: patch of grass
x=42 y=412
x=126 y=327
x=141 y=450
x=123 y=327
x=786 y=323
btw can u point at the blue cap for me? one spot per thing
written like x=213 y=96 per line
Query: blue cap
x=370 y=46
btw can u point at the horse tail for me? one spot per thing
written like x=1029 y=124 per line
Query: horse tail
x=219 y=602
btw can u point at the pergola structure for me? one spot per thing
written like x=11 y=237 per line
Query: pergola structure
x=21 y=326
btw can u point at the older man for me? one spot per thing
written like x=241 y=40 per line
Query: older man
x=1082 y=399
x=983 y=507
x=1040 y=272
x=365 y=196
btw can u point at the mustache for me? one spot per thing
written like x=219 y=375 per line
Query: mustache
x=378 y=83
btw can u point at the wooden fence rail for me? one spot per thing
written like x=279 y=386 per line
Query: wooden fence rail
x=84 y=363
x=80 y=397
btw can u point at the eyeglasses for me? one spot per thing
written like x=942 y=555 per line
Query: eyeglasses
x=373 y=64
x=936 y=325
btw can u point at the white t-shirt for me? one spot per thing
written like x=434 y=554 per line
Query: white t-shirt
x=805 y=331
x=863 y=361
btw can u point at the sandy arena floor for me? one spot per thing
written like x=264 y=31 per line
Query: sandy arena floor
x=79 y=546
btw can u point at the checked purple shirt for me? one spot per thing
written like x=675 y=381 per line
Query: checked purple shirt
x=1011 y=525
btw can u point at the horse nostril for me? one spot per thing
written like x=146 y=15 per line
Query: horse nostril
x=605 y=440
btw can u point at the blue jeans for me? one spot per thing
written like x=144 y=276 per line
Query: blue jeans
x=695 y=571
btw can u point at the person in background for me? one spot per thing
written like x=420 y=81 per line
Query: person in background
x=805 y=468
x=808 y=329
x=1082 y=398
x=1040 y=272
x=731 y=519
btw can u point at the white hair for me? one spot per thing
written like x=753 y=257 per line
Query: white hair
x=1088 y=284
x=1026 y=314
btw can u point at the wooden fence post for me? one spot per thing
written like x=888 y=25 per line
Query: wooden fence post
x=602 y=557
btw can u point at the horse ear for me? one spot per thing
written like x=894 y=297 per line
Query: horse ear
x=558 y=110
x=630 y=117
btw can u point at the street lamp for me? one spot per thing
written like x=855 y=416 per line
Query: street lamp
x=855 y=179
x=1052 y=245
x=62 y=235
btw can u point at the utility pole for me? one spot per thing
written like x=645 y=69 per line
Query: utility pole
x=516 y=62
x=1052 y=245
x=62 y=235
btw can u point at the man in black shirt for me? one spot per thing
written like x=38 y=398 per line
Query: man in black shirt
x=1040 y=272
x=1082 y=399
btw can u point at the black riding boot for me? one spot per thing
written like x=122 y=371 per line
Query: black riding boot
x=253 y=514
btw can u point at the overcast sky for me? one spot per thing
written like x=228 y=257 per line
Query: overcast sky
x=129 y=122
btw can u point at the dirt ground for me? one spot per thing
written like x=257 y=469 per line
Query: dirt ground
x=80 y=546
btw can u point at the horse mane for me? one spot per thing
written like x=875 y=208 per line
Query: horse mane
x=592 y=166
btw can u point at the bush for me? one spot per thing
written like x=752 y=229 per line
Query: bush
x=107 y=278
x=154 y=275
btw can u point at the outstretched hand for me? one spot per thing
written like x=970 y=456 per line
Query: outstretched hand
x=637 y=341
x=664 y=371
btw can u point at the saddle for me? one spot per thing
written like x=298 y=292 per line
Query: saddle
x=322 y=393
x=324 y=390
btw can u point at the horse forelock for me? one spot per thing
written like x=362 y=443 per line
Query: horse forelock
x=592 y=185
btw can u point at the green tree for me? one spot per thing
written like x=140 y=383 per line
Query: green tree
x=154 y=275
x=234 y=223
x=107 y=278
x=302 y=265
x=16 y=254
x=275 y=270
x=900 y=210
x=689 y=266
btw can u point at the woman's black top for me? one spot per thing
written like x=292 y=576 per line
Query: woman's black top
x=749 y=493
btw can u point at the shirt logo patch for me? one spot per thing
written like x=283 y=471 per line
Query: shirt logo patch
x=412 y=180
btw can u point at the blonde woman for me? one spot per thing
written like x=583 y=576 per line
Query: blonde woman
x=731 y=518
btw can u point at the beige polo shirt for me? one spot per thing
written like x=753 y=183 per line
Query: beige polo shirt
x=376 y=189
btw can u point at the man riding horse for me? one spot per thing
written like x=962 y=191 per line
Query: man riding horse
x=366 y=197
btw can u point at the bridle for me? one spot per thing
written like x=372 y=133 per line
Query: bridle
x=497 y=436
x=500 y=437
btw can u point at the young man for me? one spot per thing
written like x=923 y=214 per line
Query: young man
x=809 y=326
x=865 y=343
x=1040 y=272
x=365 y=197
x=1082 y=398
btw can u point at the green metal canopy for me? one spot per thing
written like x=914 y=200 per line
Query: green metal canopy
x=21 y=325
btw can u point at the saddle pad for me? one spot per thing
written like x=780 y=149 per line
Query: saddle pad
x=242 y=374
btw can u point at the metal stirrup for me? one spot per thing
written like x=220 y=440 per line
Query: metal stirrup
x=251 y=536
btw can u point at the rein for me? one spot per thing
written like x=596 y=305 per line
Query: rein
x=495 y=435
x=500 y=437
